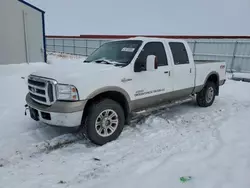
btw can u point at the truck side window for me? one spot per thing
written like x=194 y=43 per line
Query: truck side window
x=153 y=48
x=179 y=53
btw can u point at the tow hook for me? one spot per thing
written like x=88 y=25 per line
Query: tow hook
x=26 y=108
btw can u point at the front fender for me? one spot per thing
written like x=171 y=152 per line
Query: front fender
x=109 y=88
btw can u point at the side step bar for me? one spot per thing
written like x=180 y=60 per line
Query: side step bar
x=138 y=116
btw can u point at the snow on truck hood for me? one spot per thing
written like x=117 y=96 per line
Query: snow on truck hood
x=68 y=73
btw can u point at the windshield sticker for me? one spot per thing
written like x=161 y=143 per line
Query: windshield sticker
x=128 y=49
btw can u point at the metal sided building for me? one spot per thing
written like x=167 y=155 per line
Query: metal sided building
x=22 y=33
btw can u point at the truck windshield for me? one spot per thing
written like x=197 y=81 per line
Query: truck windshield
x=117 y=52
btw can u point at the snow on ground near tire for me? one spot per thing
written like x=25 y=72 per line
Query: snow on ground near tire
x=210 y=144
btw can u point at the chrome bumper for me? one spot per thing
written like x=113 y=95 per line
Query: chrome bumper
x=66 y=114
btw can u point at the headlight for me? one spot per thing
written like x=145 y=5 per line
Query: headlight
x=67 y=92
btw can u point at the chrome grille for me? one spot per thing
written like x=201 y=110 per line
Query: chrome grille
x=42 y=90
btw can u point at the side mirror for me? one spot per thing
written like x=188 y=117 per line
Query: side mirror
x=151 y=63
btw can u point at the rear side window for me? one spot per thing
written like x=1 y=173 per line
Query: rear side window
x=154 y=48
x=179 y=53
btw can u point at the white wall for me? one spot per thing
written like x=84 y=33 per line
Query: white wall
x=34 y=33
x=12 y=37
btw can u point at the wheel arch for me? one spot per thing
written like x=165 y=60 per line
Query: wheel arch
x=215 y=78
x=111 y=92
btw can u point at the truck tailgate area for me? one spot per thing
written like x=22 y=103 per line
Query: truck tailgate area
x=204 y=68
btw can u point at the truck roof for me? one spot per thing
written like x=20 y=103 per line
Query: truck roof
x=148 y=39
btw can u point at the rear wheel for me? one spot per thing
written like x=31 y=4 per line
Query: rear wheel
x=206 y=96
x=104 y=122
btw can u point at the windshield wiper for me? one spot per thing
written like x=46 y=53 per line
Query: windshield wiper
x=104 y=60
x=98 y=61
x=108 y=62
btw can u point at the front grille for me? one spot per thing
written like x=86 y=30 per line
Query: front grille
x=37 y=83
x=42 y=90
x=39 y=98
x=39 y=91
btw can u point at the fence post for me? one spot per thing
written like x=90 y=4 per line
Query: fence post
x=86 y=47
x=74 y=46
x=54 y=45
x=100 y=43
x=63 y=45
x=233 y=57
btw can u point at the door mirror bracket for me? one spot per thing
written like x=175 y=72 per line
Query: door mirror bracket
x=151 y=64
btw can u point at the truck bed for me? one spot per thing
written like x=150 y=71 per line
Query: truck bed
x=204 y=67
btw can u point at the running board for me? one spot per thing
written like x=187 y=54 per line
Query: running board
x=137 y=116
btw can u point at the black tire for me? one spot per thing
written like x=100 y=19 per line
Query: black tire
x=94 y=111
x=201 y=97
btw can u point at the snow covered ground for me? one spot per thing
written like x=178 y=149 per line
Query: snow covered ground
x=210 y=144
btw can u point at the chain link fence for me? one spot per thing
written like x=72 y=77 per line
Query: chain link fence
x=236 y=53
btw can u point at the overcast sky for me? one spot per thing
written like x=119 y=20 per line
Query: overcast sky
x=147 y=17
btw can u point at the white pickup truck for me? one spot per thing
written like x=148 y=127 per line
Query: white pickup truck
x=120 y=78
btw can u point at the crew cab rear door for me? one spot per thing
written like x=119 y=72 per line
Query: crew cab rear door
x=183 y=68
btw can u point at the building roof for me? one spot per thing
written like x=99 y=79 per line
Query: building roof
x=32 y=6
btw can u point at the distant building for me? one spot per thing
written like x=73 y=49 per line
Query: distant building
x=22 y=33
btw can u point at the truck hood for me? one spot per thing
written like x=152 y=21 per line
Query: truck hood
x=70 y=73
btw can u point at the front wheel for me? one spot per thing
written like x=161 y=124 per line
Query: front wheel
x=206 y=96
x=105 y=121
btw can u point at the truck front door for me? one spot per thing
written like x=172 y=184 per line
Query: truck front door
x=150 y=87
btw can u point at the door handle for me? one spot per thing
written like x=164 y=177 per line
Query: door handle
x=167 y=72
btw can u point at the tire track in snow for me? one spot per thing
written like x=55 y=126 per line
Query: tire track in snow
x=67 y=140
x=150 y=160
x=141 y=158
x=164 y=149
x=190 y=156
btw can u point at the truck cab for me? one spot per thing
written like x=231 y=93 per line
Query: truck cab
x=119 y=79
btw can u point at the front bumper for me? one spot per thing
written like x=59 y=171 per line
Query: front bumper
x=66 y=114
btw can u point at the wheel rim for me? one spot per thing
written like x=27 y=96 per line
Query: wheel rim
x=210 y=95
x=106 y=123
